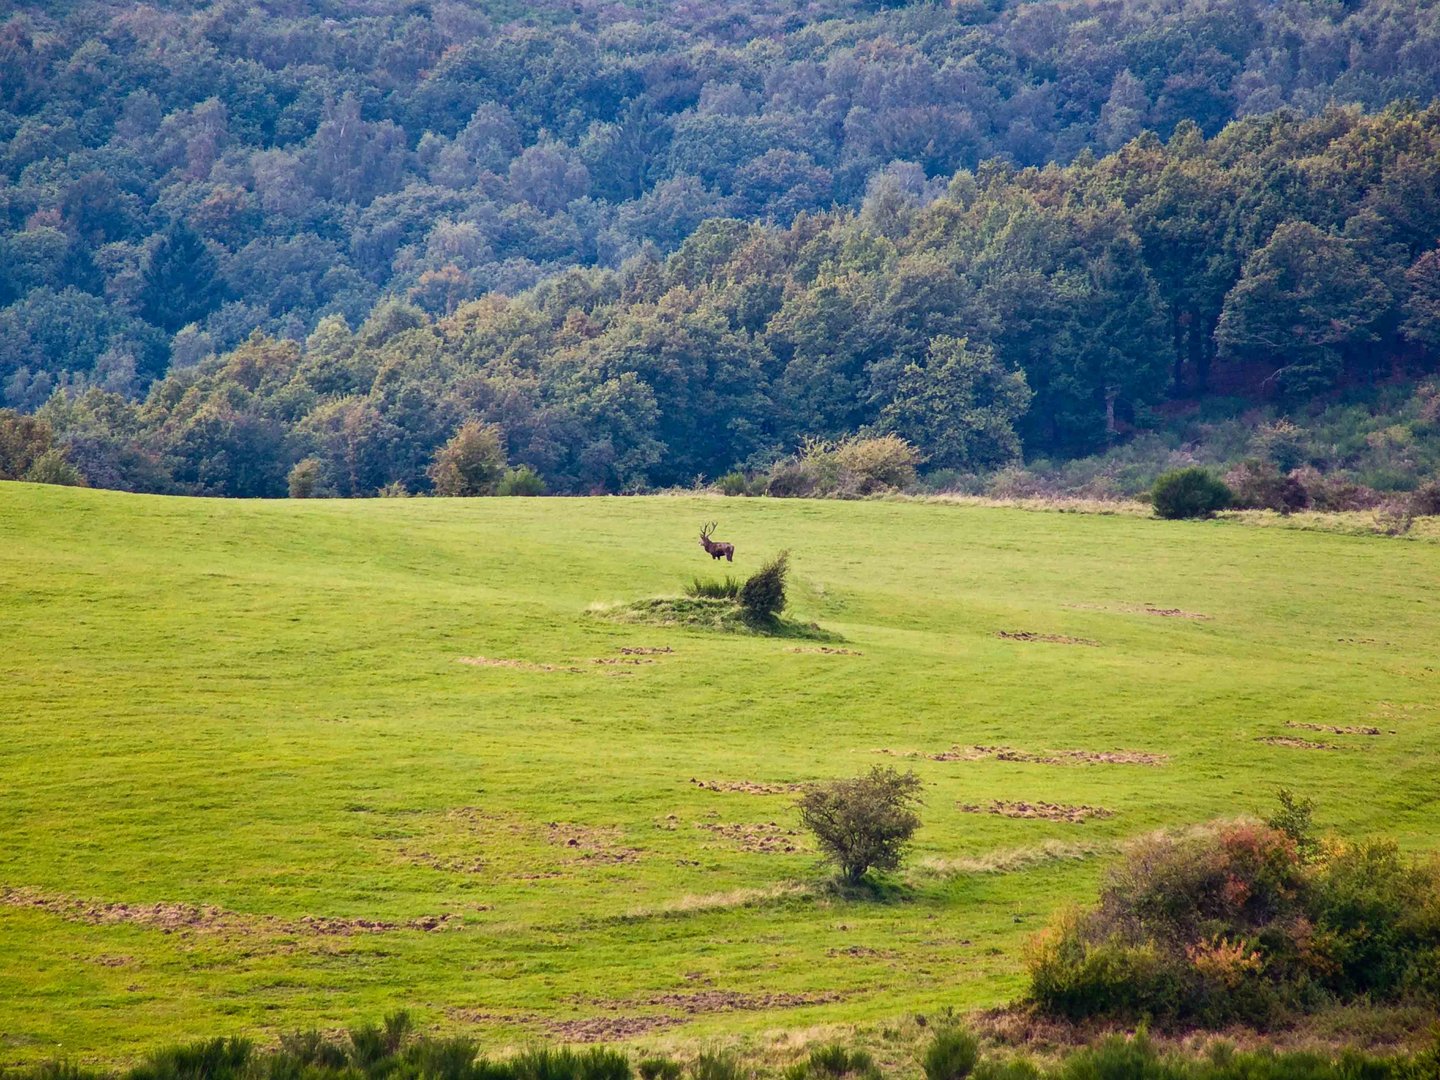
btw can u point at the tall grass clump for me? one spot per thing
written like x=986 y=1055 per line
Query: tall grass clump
x=727 y=588
x=951 y=1055
x=835 y=1062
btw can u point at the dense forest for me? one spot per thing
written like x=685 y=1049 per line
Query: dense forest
x=651 y=243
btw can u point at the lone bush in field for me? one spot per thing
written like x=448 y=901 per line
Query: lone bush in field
x=763 y=594
x=863 y=823
x=1189 y=493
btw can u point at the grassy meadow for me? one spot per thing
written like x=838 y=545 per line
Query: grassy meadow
x=246 y=781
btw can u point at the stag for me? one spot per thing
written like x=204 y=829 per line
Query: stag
x=714 y=548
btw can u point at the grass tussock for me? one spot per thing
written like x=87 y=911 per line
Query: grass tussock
x=943 y=1051
x=727 y=588
x=1011 y=860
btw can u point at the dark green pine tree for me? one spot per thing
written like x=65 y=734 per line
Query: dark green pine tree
x=182 y=282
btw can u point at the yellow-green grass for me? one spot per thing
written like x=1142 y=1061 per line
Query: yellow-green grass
x=259 y=708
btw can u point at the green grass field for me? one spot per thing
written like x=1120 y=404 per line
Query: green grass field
x=237 y=733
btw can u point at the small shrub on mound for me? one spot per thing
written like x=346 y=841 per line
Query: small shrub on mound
x=727 y=588
x=1233 y=924
x=1189 y=493
x=763 y=595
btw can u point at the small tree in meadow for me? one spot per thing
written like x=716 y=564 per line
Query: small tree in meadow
x=763 y=594
x=863 y=823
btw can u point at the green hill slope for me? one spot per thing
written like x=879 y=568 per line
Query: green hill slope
x=248 y=781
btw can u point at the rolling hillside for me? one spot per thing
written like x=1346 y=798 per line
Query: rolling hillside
x=249 y=782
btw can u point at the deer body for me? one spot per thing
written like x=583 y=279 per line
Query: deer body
x=714 y=548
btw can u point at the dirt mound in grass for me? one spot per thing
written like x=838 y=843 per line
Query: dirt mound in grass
x=645 y=650
x=1052 y=639
x=825 y=650
x=1077 y=815
x=747 y=787
x=623 y=660
x=1050 y=757
x=1333 y=729
x=762 y=838
x=1296 y=744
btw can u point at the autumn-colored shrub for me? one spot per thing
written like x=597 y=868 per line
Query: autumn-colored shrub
x=1245 y=922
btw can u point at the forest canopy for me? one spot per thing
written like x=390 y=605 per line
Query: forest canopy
x=648 y=245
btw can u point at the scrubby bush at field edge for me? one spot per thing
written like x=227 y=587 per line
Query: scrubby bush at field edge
x=1245 y=922
x=1189 y=493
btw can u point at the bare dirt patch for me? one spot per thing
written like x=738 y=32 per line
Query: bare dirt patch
x=1077 y=815
x=763 y=838
x=330 y=925
x=1171 y=613
x=171 y=918
x=863 y=952
x=1052 y=639
x=749 y=787
x=514 y=665
x=591 y=843
x=1049 y=757
x=633 y=660
x=1334 y=729
x=1297 y=744
x=825 y=650
x=485 y=1016
x=696 y=1002
x=645 y=650
x=611 y=1028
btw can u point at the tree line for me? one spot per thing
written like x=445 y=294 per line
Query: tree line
x=1039 y=310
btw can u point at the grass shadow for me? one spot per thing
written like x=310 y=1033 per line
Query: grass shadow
x=709 y=613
